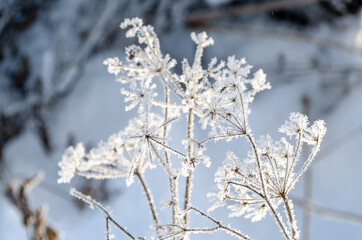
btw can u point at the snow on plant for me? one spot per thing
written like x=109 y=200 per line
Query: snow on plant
x=219 y=96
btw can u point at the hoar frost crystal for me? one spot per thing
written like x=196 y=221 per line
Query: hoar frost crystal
x=219 y=96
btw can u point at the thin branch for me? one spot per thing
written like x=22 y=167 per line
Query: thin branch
x=243 y=109
x=89 y=200
x=164 y=163
x=296 y=155
x=174 y=82
x=251 y=182
x=169 y=86
x=107 y=228
x=250 y=200
x=245 y=186
x=171 y=178
x=242 y=10
x=308 y=183
x=275 y=172
x=220 y=137
x=190 y=135
x=290 y=213
x=220 y=225
x=183 y=230
x=163 y=125
x=304 y=167
x=149 y=199
x=169 y=148
x=239 y=127
x=274 y=186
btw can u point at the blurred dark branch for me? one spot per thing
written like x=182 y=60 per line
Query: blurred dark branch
x=338 y=144
x=9 y=128
x=17 y=15
x=34 y=106
x=67 y=79
x=227 y=27
x=7 y=15
x=202 y=17
x=329 y=212
x=31 y=218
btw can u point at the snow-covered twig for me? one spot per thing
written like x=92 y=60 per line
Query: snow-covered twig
x=91 y=202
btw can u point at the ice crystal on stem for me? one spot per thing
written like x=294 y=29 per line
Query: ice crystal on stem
x=219 y=95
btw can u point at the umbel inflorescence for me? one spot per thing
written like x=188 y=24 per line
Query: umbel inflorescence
x=218 y=96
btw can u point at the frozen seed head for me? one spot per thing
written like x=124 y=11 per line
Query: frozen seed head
x=297 y=124
x=70 y=162
x=114 y=65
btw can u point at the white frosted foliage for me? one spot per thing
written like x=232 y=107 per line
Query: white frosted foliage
x=219 y=96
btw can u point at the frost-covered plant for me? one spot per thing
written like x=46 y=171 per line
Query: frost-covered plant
x=219 y=96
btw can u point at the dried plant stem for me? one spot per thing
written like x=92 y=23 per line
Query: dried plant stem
x=173 y=182
x=220 y=225
x=190 y=135
x=305 y=166
x=176 y=91
x=120 y=227
x=174 y=196
x=306 y=201
x=220 y=137
x=109 y=217
x=149 y=199
x=169 y=148
x=265 y=193
x=290 y=213
x=107 y=228
x=287 y=173
x=172 y=179
x=243 y=111
x=183 y=230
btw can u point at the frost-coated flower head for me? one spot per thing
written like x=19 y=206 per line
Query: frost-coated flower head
x=213 y=114
x=238 y=67
x=70 y=162
x=265 y=145
x=202 y=39
x=142 y=95
x=296 y=125
x=134 y=24
x=197 y=156
x=258 y=213
x=259 y=82
x=285 y=149
x=315 y=132
x=161 y=66
x=114 y=65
